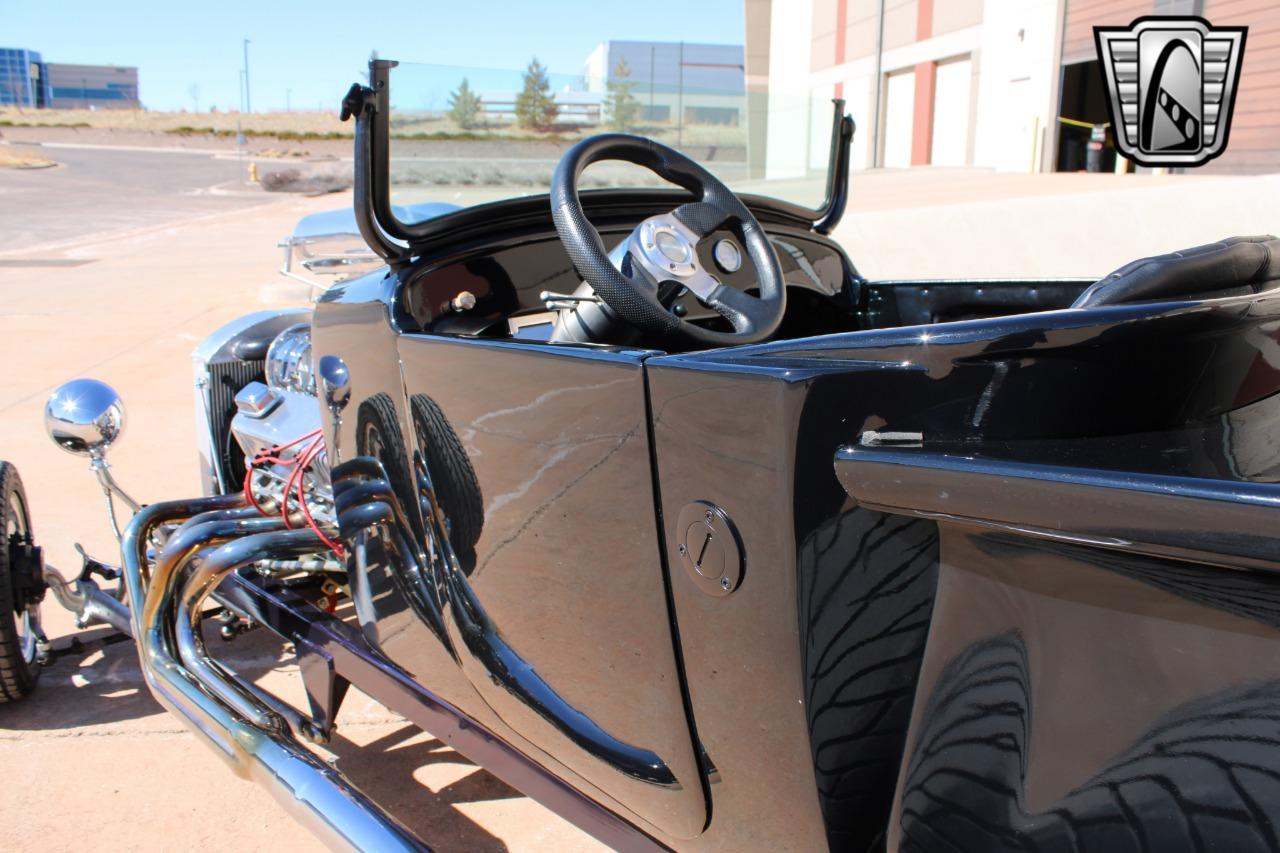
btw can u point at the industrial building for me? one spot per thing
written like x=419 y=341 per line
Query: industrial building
x=27 y=81
x=699 y=83
x=96 y=86
x=1005 y=84
x=22 y=78
x=675 y=83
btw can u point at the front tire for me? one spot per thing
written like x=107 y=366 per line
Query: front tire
x=19 y=615
x=452 y=474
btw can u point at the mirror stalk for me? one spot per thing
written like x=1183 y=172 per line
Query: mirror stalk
x=111 y=490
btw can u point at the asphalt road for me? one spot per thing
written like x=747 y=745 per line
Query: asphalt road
x=95 y=190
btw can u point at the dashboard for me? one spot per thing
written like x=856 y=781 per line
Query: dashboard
x=495 y=291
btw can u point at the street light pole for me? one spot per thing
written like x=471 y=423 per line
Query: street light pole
x=680 y=103
x=876 y=159
x=653 y=54
x=248 y=104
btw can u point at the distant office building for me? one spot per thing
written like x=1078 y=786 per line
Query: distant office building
x=28 y=81
x=673 y=83
x=702 y=83
x=22 y=78
x=97 y=86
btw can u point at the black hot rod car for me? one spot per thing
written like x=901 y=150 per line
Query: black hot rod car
x=649 y=503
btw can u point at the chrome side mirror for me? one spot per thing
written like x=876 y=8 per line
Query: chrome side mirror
x=335 y=383
x=335 y=389
x=84 y=417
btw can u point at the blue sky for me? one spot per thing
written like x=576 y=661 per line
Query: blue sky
x=317 y=49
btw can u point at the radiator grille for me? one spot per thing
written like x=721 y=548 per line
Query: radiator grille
x=225 y=380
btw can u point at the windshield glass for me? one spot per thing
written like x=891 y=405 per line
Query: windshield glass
x=466 y=136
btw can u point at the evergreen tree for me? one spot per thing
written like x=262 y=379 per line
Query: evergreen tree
x=535 y=105
x=621 y=109
x=464 y=106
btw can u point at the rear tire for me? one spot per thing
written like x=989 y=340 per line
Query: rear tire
x=867 y=582
x=19 y=623
x=378 y=435
x=452 y=475
x=1202 y=777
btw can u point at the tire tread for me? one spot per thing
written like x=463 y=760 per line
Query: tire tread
x=17 y=679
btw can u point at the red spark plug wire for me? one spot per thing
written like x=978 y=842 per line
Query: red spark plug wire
x=308 y=457
x=298 y=464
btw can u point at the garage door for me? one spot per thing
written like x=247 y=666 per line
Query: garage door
x=900 y=98
x=951 y=113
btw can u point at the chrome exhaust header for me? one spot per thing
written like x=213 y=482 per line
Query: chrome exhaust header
x=88 y=602
x=218 y=535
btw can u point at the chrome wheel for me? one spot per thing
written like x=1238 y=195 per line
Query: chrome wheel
x=29 y=634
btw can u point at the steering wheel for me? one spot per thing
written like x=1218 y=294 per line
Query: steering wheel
x=664 y=248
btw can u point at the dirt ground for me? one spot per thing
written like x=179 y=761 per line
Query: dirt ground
x=90 y=760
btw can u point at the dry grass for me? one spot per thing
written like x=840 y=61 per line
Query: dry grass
x=22 y=158
x=262 y=124
x=318 y=124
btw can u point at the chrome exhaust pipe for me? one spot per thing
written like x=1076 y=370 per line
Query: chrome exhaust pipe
x=254 y=740
x=88 y=602
x=210 y=567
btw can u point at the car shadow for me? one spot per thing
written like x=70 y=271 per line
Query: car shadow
x=95 y=684
x=387 y=768
x=94 y=680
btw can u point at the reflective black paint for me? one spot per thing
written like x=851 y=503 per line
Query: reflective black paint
x=1077 y=472
x=1075 y=698
x=348 y=658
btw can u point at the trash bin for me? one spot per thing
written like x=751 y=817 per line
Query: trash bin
x=1096 y=148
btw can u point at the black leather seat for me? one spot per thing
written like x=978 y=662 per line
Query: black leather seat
x=1227 y=268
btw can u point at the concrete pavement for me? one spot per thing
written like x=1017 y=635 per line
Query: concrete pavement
x=975 y=223
x=90 y=761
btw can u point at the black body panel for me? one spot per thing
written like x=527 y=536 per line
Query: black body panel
x=566 y=566
x=1077 y=498
x=1184 y=390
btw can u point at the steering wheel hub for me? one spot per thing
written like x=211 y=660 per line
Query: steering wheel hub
x=664 y=249
x=672 y=246
x=667 y=247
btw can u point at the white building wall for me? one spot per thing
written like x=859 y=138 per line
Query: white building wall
x=858 y=103
x=1010 y=82
x=858 y=77
x=1015 y=83
x=596 y=68
x=790 y=88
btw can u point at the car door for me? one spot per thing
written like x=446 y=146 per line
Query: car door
x=1101 y=656
x=557 y=605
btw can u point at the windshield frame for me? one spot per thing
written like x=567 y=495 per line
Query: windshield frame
x=395 y=240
